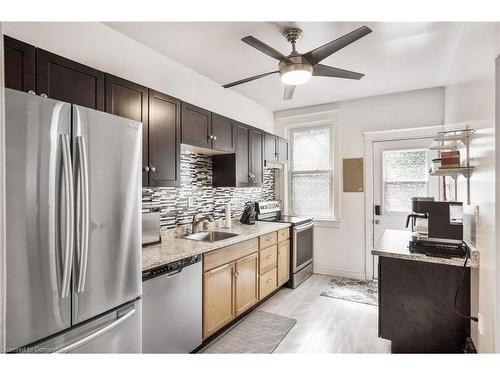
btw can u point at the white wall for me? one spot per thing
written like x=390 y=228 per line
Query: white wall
x=341 y=250
x=473 y=103
x=470 y=98
x=104 y=48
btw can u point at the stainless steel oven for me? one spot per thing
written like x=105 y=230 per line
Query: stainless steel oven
x=301 y=253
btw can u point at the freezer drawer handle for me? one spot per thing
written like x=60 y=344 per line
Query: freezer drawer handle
x=69 y=229
x=96 y=334
x=83 y=206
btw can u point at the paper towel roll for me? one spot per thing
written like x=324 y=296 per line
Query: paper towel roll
x=228 y=215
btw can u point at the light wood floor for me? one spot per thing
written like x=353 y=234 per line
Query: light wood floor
x=325 y=325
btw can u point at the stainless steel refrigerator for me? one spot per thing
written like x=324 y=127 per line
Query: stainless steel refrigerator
x=73 y=228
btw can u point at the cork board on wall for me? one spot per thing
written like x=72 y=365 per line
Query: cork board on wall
x=353 y=175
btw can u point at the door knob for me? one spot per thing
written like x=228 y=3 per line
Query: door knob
x=377 y=221
x=146 y=169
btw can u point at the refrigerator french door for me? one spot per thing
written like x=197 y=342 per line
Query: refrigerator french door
x=73 y=226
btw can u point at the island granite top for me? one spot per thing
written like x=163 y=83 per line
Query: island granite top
x=394 y=244
x=174 y=248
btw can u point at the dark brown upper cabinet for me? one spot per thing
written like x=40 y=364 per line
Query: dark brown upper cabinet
x=242 y=175
x=196 y=125
x=19 y=65
x=164 y=139
x=202 y=128
x=233 y=170
x=282 y=145
x=130 y=100
x=222 y=133
x=256 y=146
x=270 y=148
x=63 y=79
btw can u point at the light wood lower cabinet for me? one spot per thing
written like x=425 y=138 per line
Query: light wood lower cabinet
x=268 y=283
x=283 y=262
x=246 y=283
x=218 y=298
x=236 y=277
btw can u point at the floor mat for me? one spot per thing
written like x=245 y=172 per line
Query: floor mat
x=259 y=332
x=353 y=290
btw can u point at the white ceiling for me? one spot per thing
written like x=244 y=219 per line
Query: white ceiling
x=395 y=56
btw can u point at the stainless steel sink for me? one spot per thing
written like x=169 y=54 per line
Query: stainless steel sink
x=211 y=236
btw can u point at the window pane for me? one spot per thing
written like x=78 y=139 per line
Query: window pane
x=311 y=195
x=311 y=149
x=405 y=165
x=398 y=194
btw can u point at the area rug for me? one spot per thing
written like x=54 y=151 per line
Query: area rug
x=353 y=290
x=259 y=332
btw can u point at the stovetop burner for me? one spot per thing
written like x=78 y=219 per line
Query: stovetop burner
x=271 y=211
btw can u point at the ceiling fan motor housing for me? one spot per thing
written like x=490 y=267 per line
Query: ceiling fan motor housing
x=296 y=64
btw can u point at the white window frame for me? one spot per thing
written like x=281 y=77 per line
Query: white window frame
x=329 y=171
x=427 y=163
x=302 y=118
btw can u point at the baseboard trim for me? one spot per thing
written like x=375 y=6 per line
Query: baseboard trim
x=321 y=270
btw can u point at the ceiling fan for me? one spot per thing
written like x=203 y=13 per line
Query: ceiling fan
x=297 y=68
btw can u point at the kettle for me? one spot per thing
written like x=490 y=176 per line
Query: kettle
x=248 y=216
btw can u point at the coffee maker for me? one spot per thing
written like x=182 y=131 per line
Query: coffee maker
x=437 y=227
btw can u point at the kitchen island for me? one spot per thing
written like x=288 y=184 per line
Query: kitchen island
x=416 y=297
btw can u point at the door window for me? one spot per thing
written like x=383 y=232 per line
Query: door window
x=405 y=176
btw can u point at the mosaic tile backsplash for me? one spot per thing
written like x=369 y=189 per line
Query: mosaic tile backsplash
x=196 y=182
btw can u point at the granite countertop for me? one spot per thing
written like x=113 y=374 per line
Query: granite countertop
x=394 y=244
x=174 y=248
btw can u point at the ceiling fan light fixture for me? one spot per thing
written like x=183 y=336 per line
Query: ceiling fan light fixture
x=296 y=74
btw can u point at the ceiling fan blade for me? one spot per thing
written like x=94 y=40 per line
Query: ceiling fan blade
x=329 y=71
x=263 y=47
x=288 y=93
x=321 y=53
x=248 y=79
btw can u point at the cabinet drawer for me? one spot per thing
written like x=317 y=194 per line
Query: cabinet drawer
x=268 y=240
x=267 y=283
x=283 y=234
x=229 y=254
x=268 y=259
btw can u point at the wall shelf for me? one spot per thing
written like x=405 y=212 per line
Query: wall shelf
x=452 y=172
x=452 y=141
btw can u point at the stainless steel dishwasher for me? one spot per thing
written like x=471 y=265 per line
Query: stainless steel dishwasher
x=172 y=307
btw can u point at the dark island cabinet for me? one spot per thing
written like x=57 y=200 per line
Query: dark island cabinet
x=256 y=146
x=196 y=126
x=282 y=147
x=416 y=306
x=222 y=133
x=164 y=139
x=130 y=100
x=66 y=80
x=19 y=65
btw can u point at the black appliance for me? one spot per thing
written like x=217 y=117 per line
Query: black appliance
x=301 y=240
x=248 y=216
x=437 y=227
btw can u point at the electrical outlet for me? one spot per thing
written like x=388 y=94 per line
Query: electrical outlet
x=480 y=324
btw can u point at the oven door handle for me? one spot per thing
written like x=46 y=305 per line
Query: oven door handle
x=303 y=227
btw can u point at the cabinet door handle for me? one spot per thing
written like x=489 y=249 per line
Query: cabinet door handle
x=214 y=137
x=146 y=169
x=153 y=169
